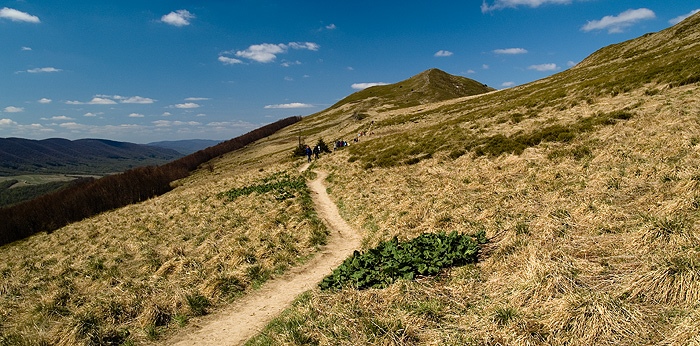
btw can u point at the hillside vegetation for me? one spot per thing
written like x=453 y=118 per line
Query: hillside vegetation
x=585 y=183
x=83 y=156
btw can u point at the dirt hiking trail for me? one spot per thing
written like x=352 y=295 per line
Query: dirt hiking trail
x=250 y=314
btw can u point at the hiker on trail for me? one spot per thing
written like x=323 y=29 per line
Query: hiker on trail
x=308 y=154
x=317 y=150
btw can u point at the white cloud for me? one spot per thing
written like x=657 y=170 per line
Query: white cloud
x=178 y=18
x=166 y=114
x=485 y=67
x=543 y=67
x=360 y=86
x=136 y=100
x=229 y=61
x=7 y=122
x=291 y=63
x=263 y=53
x=44 y=100
x=570 y=63
x=12 y=109
x=679 y=19
x=443 y=53
x=197 y=99
x=26 y=49
x=289 y=106
x=331 y=27
x=508 y=84
x=168 y=123
x=18 y=16
x=44 y=70
x=89 y=114
x=266 y=52
x=501 y=4
x=136 y=115
x=188 y=105
x=616 y=24
x=101 y=101
x=511 y=51
x=470 y=71
x=61 y=118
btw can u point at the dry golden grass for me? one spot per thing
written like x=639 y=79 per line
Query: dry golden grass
x=592 y=241
x=125 y=275
x=600 y=249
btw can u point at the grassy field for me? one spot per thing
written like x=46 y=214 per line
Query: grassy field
x=586 y=183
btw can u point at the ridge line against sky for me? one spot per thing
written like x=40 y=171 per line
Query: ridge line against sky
x=151 y=71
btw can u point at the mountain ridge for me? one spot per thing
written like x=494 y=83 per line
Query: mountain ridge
x=82 y=156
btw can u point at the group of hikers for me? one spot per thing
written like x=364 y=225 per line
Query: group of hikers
x=316 y=152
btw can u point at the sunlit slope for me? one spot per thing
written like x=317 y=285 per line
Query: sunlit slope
x=587 y=184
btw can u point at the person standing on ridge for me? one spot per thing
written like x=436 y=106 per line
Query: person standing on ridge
x=308 y=154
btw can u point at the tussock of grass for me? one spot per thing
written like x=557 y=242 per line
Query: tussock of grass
x=588 y=318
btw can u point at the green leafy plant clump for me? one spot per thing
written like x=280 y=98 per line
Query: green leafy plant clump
x=284 y=186
x=392 y=260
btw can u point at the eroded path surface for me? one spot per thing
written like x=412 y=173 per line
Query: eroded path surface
x=248 y=315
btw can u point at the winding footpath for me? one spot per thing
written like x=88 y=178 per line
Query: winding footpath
x=251 y=313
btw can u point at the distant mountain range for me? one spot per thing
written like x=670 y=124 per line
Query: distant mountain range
x=83 y=156
x=187 y=146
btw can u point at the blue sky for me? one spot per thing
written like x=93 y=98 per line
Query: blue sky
x=144 y=71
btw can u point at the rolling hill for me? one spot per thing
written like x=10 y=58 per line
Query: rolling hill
x=186 y=146
x=83 y=156
x=586 y=184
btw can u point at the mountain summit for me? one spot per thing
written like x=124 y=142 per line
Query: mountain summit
x=429 y=86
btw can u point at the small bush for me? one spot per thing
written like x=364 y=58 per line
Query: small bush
x=392 y=260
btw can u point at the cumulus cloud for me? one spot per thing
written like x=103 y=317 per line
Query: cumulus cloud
x=18 y=16
x=114 y=99
x=443 y=53
x=26 y=49
x=616 y=24
x=681 y=18
x=187 y=105
x=136 y=115
x=101 y=101
x=229 y=61
x=331 y=27
x=7 y=122
x=89 y=114
x=289 y=106
x=360 y=86
x=43 y=70
x=543 y=67
x=290 y=63
x=266 y=52
x=168 y=123
x=60 y=118
x=508 y=84
x=501 y=4
x=44 y=100
x=511 y=51
x=178 y=18
x=13 y=109
x=135 y=100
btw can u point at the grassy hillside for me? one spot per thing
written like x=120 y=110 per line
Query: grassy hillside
x=83 y=156
x=586 y=184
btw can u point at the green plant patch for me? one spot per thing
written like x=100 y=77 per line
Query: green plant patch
x=286 y=187
x=393 y=260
